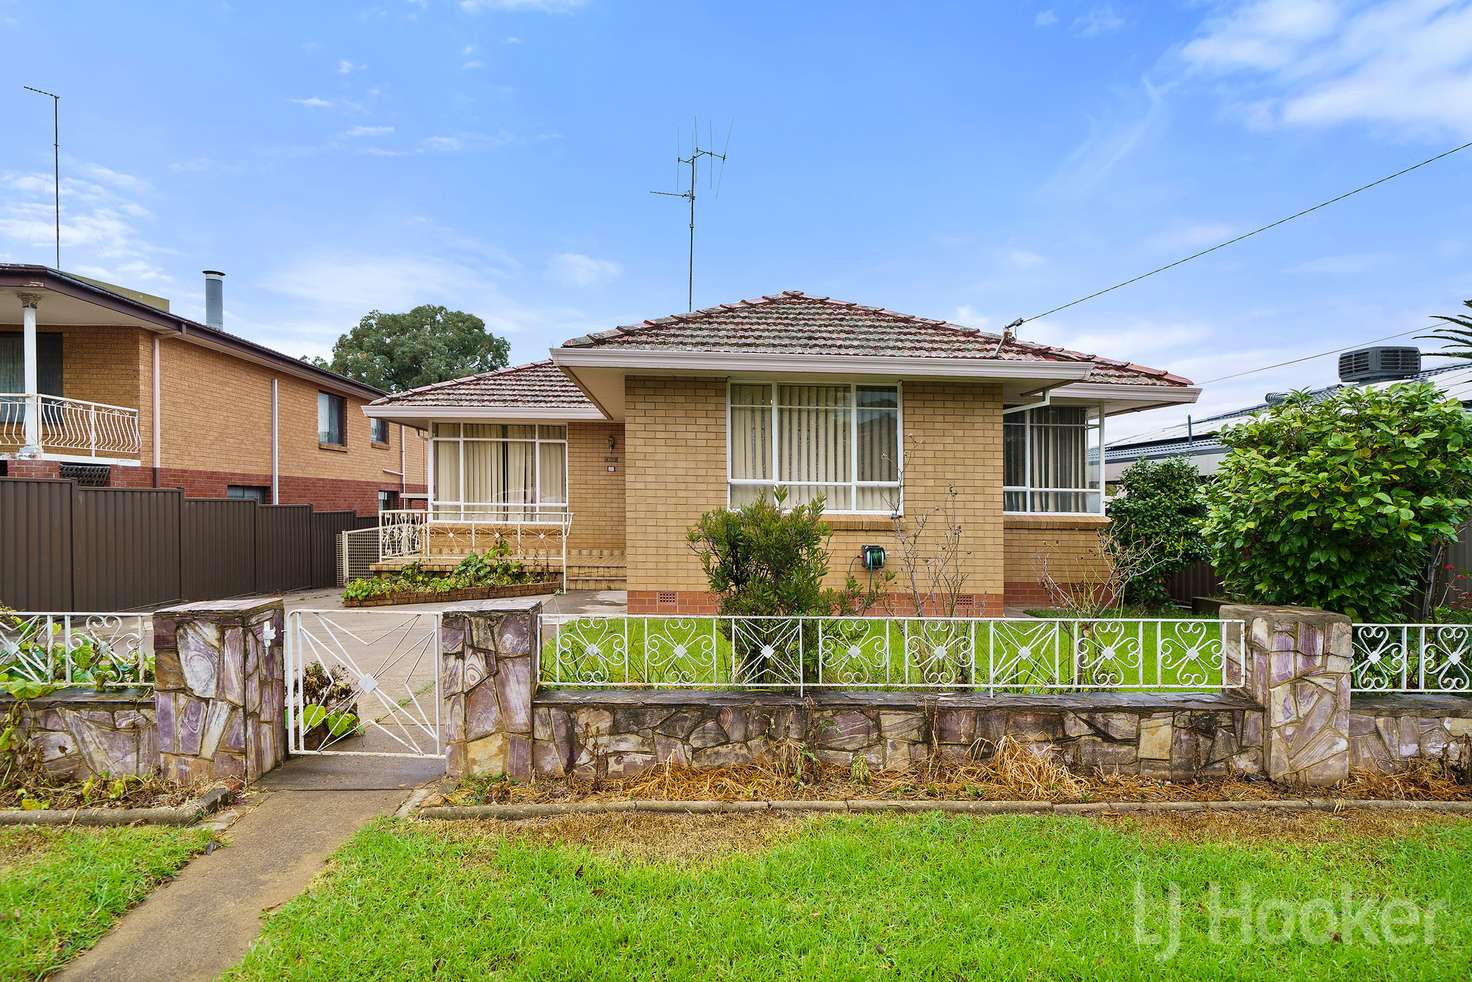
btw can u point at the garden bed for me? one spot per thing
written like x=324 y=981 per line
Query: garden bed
x=548 y=585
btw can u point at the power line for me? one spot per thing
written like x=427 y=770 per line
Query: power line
x=1321 y=354
x=1245 y=235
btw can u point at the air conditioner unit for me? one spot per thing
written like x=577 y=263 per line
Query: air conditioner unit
x=1379 y=364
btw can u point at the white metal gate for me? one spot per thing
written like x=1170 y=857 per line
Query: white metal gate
x=363 y=682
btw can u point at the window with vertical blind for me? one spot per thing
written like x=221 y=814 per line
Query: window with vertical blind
x=1052 y=460
x=838 y=441
x=499 y=471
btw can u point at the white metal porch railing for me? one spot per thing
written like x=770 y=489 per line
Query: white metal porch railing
x=979 y=654
x=1412 y=658
x=93 y=649
x=71 y=427
x=409 y=534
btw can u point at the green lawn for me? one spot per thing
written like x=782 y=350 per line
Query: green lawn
x=859 y=896
x=1013 y=655
x=61 y=889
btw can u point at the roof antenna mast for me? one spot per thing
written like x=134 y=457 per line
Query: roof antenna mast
x=55 y=159
x=689 y=195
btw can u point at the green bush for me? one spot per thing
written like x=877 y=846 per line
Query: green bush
x=1339 y=502
x=489 y=568
x=1160 y=508
x=763 y=560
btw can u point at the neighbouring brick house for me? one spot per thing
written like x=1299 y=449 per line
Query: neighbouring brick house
x=627 y=436
x=107 y=386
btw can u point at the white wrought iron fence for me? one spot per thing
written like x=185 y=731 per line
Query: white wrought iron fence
x=986 y=654
x=42 y=649
x=1412 y=658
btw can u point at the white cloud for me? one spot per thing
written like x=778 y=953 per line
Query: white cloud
x=1316 y=63
x=1193 y=236
x=313 y=102
x=1343 y=265
x=358 y=132
x=968 y=316
x=1045 y=18
x=102 y=224
x=573 y=269
x=511 y=39
x=1098 y=20
x=1108 y=144
x=472 y=64
x=1024 y=259
x=538 y=6
x=345 y=67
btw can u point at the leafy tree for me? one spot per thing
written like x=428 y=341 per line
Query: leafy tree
x=404 y=351
x=1160 y=509
x=1341 y=502
x=1459 y=335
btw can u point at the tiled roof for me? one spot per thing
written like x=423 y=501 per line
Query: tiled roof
x=794 y=323
x=539 y=385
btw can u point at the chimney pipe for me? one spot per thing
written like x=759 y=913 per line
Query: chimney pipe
x=214 y=298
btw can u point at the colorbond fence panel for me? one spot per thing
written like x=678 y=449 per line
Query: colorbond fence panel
x=283 y=548
x=125 y=548
x=68 y=548
x=36 y=544
x=219 y=549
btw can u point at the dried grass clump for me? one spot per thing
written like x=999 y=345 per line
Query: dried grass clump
x=1433 y=780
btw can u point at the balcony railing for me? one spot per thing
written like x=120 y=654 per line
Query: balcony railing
x=533 y=533
x=69 y=427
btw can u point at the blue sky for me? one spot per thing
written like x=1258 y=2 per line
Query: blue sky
x=970 y=161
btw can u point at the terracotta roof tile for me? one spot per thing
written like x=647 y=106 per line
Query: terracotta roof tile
x=539 y=385
x=793 y=322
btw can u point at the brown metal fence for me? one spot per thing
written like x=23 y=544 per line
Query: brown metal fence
x=63 y=547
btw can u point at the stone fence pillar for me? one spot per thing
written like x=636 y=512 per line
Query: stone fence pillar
x=488 y=677
x=220 y=689
x=1297 y=663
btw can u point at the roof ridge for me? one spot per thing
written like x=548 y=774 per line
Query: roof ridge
x=505 y=370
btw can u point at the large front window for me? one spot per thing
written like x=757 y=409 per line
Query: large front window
x=1052 y=460
x=838 y=441
x=499 y=471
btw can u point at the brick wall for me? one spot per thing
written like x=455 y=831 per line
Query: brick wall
x=676 y=437
x=215 y=422
x=1068 y=544
x=596 y=496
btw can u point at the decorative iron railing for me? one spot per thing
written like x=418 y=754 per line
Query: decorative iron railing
x=977 y=654
x=73 y=427
x=407 y=534
x=1412 y=658
x=39 y=651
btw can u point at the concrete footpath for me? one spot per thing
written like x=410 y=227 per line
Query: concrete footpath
x=201 y=923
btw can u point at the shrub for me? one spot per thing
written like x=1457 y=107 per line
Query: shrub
x=762 y=560
x=489 y=568
x=1160 y=508
x=1341 y=502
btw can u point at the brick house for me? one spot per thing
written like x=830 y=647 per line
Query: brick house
x=106 y=386
x=625 y=437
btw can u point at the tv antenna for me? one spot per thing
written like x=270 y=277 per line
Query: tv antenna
x=55 y=159
x=689 y=195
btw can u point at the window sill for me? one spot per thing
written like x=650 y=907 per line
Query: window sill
x=380 y=445
x=1055 y=520
x=858 y=523
x=334 y=447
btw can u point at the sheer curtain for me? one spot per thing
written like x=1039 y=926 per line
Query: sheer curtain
x=751 y=440
x=813 y=449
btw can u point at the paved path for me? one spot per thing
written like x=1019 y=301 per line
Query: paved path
x=201 y=924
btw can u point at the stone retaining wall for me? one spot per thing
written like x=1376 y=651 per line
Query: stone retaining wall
x=83 y=733
x=623 y=733
x=1393 y=732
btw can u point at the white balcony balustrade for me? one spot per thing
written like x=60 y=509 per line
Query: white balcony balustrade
x=68 y=428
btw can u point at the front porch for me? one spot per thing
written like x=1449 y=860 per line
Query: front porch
x=437 y=540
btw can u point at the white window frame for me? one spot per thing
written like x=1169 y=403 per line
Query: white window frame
x=440 y=509
x=853 y=484
x=1027 y=490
